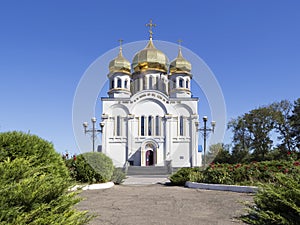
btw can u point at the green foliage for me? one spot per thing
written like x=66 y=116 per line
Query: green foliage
x=184 y=174
x=40 y=152
x=254 y=132
x=118 y=176
x=219 y=153
x=34 y=183
x=277 y=203
x=295 y=123
x=243 y=174
x=91 y=167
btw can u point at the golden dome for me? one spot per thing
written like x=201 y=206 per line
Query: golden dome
x=119 y=64
x=150 y=58
x=180 y=64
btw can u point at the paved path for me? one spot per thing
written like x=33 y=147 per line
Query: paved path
x=144 y=204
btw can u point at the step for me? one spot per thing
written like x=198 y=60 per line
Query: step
x=147 y=170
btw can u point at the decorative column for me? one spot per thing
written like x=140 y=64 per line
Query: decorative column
x=168 y=140
x=130 y=120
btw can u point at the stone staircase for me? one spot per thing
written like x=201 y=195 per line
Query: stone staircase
x=148 y=170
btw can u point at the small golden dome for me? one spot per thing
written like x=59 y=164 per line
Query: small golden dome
x=180 y=64
x=150 y=58
x=119 y=64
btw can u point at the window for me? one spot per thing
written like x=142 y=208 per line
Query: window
x=157 y=126
x=119 y=84
x=181 y=126
x=118 y=126
x=142 y=126
x=126 y=84
x=112 y=84
x=156 y=83
x=150 y=125
x=181 y=83
x=187 y=84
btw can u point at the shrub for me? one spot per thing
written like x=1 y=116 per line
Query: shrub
x=91 y=167
x=277 y=203
x=34 y=183
x=183 y=175
x=118 y=176
x=31 y=147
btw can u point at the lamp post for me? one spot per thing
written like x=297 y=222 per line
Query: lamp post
x=94 y=131
x=205 y=131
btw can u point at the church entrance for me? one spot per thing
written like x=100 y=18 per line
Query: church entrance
x=149 y=158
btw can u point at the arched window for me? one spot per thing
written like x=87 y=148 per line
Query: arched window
x=126 y=84
x=150 y=126
x=156 y=83
x=119 y=84
x=112 y=84
x=181 y=126
x=181 y=83
x=118 y=133
x=157 y=126
x=142 y=126
x=187 y=84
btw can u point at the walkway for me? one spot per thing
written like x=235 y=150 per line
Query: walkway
x=144 y=203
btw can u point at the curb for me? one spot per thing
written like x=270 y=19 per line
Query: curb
x=92 y=186
x=222 y=187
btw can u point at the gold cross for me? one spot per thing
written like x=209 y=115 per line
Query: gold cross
x=120 y=41
x=150 y=25
x=179 y=42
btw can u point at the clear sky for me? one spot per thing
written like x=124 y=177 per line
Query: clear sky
x=252 y=46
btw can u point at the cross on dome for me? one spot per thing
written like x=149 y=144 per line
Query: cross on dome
x=150 y=25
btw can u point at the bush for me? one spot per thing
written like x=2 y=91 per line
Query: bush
x=241 y=174
x=91 y=167
x=277 y=203
x=182 y=175
x=31 y=147
x=34 y=183
x=118 y=176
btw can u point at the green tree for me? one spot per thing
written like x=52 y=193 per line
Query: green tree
x=281 y=117
x=34 y=183
x=251 y=133
x=295 y=123
x=219 y=153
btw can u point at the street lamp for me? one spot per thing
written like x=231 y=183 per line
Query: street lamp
x=205 y=131
x=94 y=131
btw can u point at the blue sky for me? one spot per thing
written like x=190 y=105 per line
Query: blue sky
x=252 y=46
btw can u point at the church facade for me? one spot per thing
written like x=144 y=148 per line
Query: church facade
x=149 y=117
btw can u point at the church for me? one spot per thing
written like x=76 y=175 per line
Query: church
x=150 y=117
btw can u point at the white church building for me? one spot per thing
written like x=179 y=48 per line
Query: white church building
x=149 y=117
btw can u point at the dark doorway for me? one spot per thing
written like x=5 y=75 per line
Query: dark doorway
x=149 y=158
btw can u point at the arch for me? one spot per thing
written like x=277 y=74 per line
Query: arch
x=118 y=109
x=143 y=125
x=184 y=109
x=146 y=146
x=119 y=83
x=157 y=106
x=181 y=81
x=181 y=126
x=118 y=126
x=112 y=84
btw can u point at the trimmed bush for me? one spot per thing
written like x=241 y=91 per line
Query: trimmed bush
x=91 y=167
x=182 y=175
x=34 y=183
